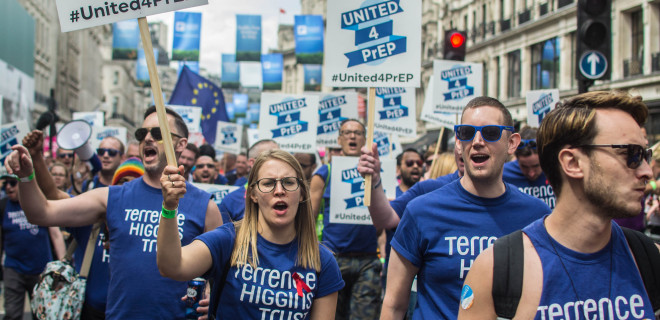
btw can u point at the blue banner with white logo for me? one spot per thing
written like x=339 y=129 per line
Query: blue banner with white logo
x=271 y=67
x=313 y=74
x=230 y=72
x=187 y=31
x=308 y=32
x=125 y=39
x=248 y=37
x=142 y=72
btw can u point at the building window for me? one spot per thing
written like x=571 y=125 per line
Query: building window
x=115 y=77
x=115 y=105
x=485 y=75
x=637 y=35
x=545 y=64
x=513 y=89
x=497 y=77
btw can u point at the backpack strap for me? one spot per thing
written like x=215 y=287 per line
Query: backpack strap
x=214 y=307
x=508 y=266
x=648 y=261
x=89 y=251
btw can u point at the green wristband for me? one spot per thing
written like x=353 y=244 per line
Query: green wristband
x=653 y=184
x=28 y=178
x=168 y=214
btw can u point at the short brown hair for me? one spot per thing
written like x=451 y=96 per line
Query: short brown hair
x=484 y=101
x=573 y=123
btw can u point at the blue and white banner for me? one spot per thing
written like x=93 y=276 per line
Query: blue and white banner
x=395 y=111
x=388 y=145
x=229 y=136
x=240 y=105
x=347 y=189
x=100 y=133
x=192 y=116
x=125 y=40
x=373 y=43
x=230 y=72
x=445 y=119
x=539 y=103
x=272 y=66
x=252 y=116
x=313 y=74
x=290 y=120
x=456 y=83
x=308 y=31
x=218 y=192
x=334 y=108
x=248 y=37
x=94 y=118
x=12 y=134
x=141 y=69
x=187 y=30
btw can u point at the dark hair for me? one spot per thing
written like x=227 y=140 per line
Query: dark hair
x=399 y=158
x=206 y=150
x=178 y=121
x=355 y=120
x=192 y=147
x=527 y=133
x=573 y=123
x=484 y=101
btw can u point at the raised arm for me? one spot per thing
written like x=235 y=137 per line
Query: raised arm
x=73 y=212
x=382 y=214
x=34 y=142
x=173 y=261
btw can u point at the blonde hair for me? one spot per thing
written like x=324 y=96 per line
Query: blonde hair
x=444 y=165
x=245 y=248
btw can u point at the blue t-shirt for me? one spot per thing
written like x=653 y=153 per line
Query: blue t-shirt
x=341 y=237
x=421 y=188
x=607 y=283
x=96 y=290
x=270 y=291
x=539 y=188
x=27 y=247
x=241 y=181
x=220 y=180
x=232 y=206
x=95 y=183
x=136 y=289
x=442 y=233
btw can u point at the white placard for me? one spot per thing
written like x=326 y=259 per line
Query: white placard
x=192 y=116
x=373 y=43
x=347 y=189
x=217 y=191
x=94 y=118
x=334 y=108
x=539 y=103
x=100 y=133
x=81 y=14
x=389 y=145
x=445 y=119
x=253 y=136
x=290 y=120
x=456 y=83
x=12 y=134
x=396 y=112
x=228 y=137
x=196 y=138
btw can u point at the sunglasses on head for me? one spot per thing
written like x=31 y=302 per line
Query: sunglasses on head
x=141 y=133
x=531 y=143
x=111 y=152
x=490 y=133
x=636 y=153
x=410 y=163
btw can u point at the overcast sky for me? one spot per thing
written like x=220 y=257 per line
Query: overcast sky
x=219 y=25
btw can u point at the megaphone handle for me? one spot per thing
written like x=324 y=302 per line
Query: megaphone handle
x=96 y=164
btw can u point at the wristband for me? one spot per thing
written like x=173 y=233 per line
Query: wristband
x=31 y=177
x=653 y=185
x=169 y=214
x=377 y=184
x=382 y=260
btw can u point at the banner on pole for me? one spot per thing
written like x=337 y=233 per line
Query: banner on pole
x=395 y=111
x=290 y=120
x=230 y=72
x=192 y=116
x=313 y=73
x=308 y=32
x=248 y=37
x=429 y=114
x=187 y=29
x=228 y=137
x=272 y=66
x=141 y=69
x=100 y=133
x=456 y=83
x=539 y=104
x=334 y=108
x=125 y=39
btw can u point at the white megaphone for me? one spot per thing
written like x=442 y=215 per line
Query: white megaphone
x=75 y=136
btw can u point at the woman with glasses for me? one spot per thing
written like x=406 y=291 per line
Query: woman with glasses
x=268 y=264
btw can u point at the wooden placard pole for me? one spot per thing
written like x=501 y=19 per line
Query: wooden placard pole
x=157 y=92
x=371 y=109
x=437 y=147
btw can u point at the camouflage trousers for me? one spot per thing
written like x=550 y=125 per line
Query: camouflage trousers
x=360 y=299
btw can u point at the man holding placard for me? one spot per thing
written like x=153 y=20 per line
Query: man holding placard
x=354 y=245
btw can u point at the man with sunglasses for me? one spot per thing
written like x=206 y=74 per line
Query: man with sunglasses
x=132 y=213
x=110 y=152
x=577 y=263
x=525 y=172
x=65 y=156
x=444 y=230
x=204 y=170
x=409 y=166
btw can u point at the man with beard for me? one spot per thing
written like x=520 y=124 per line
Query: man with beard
x=187 y=159
x=132 y=212
x=110 y=153
x=204 y=170
x=409 y=168
x=525 y=172
x=577 y=263
x=241 y=169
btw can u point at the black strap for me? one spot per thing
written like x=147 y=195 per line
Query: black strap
x=648 y=261
x=508 y=266
x=213 y=308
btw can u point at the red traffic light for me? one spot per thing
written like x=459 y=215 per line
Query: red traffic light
x=456 y=39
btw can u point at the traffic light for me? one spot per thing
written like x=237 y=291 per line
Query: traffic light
x=594 y=39
x=454 y=48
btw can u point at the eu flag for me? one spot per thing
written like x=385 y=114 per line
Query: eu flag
x=194 y=90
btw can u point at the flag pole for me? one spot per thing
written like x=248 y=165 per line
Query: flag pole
x=156 y=90
x=370 y=139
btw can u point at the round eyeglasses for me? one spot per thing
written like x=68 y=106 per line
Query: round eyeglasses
x=267 y=185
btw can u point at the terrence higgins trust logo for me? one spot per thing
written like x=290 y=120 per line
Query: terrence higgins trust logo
x=353 y=178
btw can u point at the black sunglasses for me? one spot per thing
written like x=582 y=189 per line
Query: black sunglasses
x=636 y=153
x=205 y=165
x=531 y=143
x=111 y=152
x=420 y=163
x=141 y=133
x=11 y=182
x=65 y=155
x=490 y=133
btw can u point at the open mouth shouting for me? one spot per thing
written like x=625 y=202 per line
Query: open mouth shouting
x=150 y=153
x=479 y=158
x=280 y=207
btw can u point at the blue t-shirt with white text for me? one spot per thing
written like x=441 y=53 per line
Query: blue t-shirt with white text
x=27 y=246
x=539 y=188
